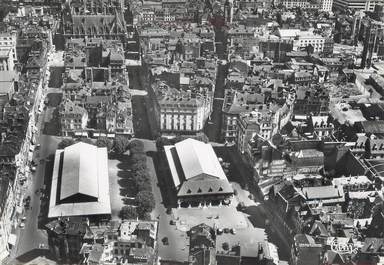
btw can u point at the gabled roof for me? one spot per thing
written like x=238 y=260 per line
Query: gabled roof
x=318 y=229
x=198 y=158
x=195 y=169
x=333 y=257
x=79 y=173
x=80 y=182
x=204 y=186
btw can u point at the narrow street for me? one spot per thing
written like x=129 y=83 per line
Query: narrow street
x=31 y=237
x=144 y=121
x=213 y=126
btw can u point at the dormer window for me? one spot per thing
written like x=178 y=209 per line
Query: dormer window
x=199 y=190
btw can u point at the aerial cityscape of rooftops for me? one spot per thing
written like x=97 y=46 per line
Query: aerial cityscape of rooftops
x=192 y=132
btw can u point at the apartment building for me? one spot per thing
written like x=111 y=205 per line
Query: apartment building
x=8 y=41
x=73 y=118
x=303 y=39
x=326 y=5
x=182 y=112
x=366 y=5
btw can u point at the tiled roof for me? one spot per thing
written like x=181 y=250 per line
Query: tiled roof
x=206 y=186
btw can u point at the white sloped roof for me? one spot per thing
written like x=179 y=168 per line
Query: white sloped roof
x=197 y=158
x=79 y=173
x=90 y=165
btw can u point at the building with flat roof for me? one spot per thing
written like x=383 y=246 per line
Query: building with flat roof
x=80 y=184
x=197 y=174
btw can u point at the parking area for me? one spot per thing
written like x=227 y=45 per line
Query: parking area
x=232 y=225
x=221 y=217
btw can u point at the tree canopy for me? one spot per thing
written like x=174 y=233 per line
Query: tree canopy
x=105 y=142
x=121 y=144
x=136 y=146
x=128 y=212
x=145 y=202
x=65 y=143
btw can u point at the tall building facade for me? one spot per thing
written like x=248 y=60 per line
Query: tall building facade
x=305 y=4
x=366 y=5
x=372 y=32
x=8 y=41
x=182 y=113
x=326 y=5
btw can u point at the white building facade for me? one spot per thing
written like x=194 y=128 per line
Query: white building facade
x=302 y=39
x=326 y=5
x=184 y=116
x=8 y=41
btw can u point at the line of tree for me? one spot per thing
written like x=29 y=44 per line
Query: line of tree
x=119 y=145
x=144 y=199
